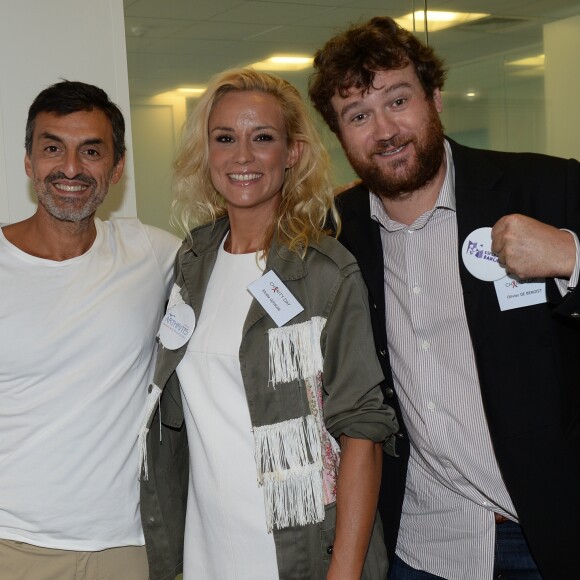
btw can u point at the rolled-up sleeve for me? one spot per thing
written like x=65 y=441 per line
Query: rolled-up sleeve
x=353 y=404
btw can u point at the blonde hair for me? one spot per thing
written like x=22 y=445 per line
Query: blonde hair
x=307 y=195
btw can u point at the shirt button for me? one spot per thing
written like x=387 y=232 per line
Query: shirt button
x=151 y=519
x=150 y=388
x=329 y=550
x=416 y=290
x=383 y=352
x=431 y=406
x=410 y=231
x=389 y=393
x=425 y=345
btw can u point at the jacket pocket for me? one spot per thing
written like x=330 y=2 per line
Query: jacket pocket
x=376 y=563
x=327 y=532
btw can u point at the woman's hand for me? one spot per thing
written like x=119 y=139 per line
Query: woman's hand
x=359 y=479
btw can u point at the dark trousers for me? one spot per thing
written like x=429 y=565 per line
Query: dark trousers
x=513 y=560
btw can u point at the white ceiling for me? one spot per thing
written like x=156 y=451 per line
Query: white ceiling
x=172 y=43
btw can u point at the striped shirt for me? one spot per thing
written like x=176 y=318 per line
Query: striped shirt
x=454 y=485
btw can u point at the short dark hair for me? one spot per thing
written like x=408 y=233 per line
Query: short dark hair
x=67 y=97
x=351 y=58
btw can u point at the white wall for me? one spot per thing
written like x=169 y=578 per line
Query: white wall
x=42 y=41
x=562 y=82
x=157 y=124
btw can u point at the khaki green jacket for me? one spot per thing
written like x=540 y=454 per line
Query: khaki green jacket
x=328 y=284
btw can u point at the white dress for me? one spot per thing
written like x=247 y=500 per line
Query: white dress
x=225 y=528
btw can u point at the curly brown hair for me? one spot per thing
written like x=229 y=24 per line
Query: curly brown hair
x=351 y=58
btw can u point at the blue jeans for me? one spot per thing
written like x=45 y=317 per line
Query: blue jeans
x=513 y=560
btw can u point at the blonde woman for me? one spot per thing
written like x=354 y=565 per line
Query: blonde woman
x=266 y=360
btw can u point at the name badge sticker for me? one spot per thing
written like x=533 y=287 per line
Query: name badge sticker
x=273 y=295
x=177 y=326
x=515 y=293
x=478 y=258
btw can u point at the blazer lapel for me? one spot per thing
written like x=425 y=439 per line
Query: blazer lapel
x=480 y=202
x=195 y=266
x=361 y=236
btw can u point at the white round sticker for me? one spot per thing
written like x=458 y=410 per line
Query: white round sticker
x=177 y=326
x=478 y=258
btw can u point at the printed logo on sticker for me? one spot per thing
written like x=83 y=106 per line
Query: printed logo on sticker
x=177 y=326
x=513 y=292
x=478 y=258
x=275 y=298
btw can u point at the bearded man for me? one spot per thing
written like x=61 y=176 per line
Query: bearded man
x=471 y=261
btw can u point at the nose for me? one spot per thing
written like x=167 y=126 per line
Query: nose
x=71 y=164
x=384 y=127
x=244 y=153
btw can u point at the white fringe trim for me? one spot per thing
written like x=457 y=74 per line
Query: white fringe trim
x=294 y=351
x=152 y=399
x=175 y=297
x=333 y=443
x=289 y=465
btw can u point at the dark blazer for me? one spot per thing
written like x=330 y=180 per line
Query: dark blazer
x=528 y=359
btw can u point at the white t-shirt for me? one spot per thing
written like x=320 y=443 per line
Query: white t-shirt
x=77 y=342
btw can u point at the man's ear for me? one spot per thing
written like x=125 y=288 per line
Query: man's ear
x=118 y=171
x=28 y=165
x=438 y=100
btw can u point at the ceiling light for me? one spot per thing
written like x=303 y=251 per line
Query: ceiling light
x=537 y=61
x=532 y=66
x=284 y=62
x=191 y=91
x=181 y=93
x=437 y=20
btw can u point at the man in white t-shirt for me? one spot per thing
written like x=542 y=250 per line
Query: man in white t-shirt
x=81 y=301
